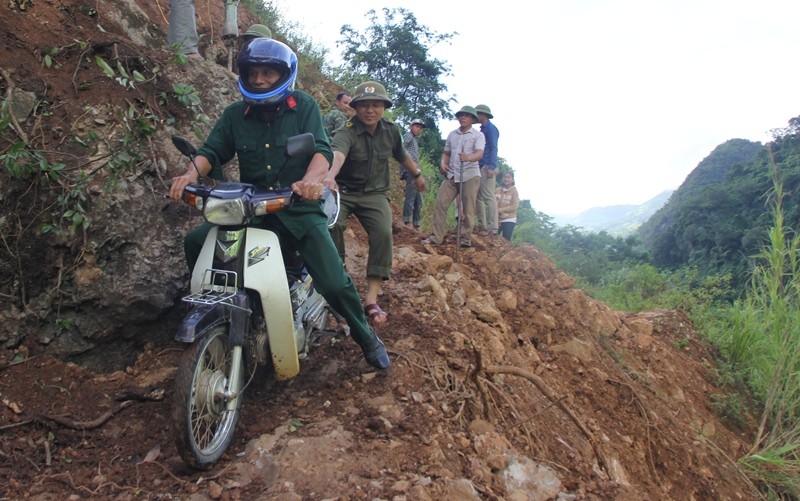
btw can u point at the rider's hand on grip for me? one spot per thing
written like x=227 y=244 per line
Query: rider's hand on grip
x=179 y=183
x=307 y=190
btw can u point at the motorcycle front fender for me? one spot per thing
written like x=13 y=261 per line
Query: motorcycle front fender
x=201 y=319
x=265 y=272
x=205 y=317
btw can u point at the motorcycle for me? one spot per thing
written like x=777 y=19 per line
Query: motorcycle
x=248 y=309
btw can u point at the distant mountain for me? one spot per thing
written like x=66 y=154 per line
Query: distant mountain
x=617 y=220
x=720 y=216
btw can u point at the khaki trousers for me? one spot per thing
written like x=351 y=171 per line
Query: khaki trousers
x=447 y=193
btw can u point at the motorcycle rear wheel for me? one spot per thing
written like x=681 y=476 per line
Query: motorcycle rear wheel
x=204 y=427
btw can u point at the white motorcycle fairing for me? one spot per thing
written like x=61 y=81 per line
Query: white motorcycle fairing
x=265 y=273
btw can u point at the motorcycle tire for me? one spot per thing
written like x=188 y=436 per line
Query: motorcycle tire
x=204 y=427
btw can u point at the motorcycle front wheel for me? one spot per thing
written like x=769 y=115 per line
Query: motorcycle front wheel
x=204 y=425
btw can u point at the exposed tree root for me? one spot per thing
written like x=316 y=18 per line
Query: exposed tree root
x=550 y=394
x=70 y=423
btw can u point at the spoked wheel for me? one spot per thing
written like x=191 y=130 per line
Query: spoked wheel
x=203 y=416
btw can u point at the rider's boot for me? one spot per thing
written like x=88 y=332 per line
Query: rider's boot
x=375 y=353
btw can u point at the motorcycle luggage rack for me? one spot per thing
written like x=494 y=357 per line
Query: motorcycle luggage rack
x=218 y=286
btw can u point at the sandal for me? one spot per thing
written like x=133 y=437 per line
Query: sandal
x=376 y=315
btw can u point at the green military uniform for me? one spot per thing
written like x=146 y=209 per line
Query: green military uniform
x=334 y=121
x=259 y=145
x=364 y=183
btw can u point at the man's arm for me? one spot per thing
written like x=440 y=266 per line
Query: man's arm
x=189 y=177
x=310 y=187
x=492 y=135
x=414 y=171
x=336 y=166
x=470 y=157
x=443 y=166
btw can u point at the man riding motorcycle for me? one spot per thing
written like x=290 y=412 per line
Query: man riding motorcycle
x=255 y=130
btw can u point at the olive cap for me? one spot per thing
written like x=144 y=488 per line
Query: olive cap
x=258 y=30
x=370 y=91
x=468 y=110
x=417 y=121
x=482 y=108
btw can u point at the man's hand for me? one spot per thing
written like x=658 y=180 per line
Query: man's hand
x=179 y=183
x=491 y=172
x=420 y=183
x=330 y=183
x=307 y=190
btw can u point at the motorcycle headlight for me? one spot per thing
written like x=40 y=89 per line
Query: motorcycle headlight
x=225 y=211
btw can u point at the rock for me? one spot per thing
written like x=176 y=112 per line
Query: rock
x=576 y=348
x=461 y=490
x=527 y=480
x=507 y=300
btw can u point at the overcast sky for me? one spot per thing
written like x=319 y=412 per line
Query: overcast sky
x=604 y=102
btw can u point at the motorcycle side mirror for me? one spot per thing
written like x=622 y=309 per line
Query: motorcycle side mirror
x=300 y=145
x=184 y=146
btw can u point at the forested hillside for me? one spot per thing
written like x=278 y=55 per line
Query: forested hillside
x=719 y=215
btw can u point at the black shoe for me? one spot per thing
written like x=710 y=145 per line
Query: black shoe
x=375 y=353
x=464 y=245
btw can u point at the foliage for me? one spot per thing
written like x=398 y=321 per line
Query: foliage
x=266 y=11
x=760 y=338
x=121 y=75
x=308 y=52
x=188 y=98
x=186 y=95
x=22 y=163
x=592 y=255
x=71 y=206
x=642 y=287
x=535 y=227
x=395 y=51
x=713 y=222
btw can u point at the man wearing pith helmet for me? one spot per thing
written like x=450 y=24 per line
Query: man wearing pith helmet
x=361 y=152
x=487 y=203
x=462 y=150
x=256 y=31
x=253 y=32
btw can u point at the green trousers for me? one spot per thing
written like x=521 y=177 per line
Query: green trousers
x=323 y=264
x=375 y=215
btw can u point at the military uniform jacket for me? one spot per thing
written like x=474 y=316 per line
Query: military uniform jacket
x=334 y=121
x=366 y=165
x=259 y=146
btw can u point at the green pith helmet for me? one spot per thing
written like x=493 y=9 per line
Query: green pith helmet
x=482 y=108
x=371 y=91
x=469 y=110
x=258 y=30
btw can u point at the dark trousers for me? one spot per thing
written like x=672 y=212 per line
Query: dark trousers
x=412 y=204
x=507 y=229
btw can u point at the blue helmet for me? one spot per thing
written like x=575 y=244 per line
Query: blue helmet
x=268 y=52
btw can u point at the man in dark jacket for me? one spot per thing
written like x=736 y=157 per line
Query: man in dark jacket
x=255 y=131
